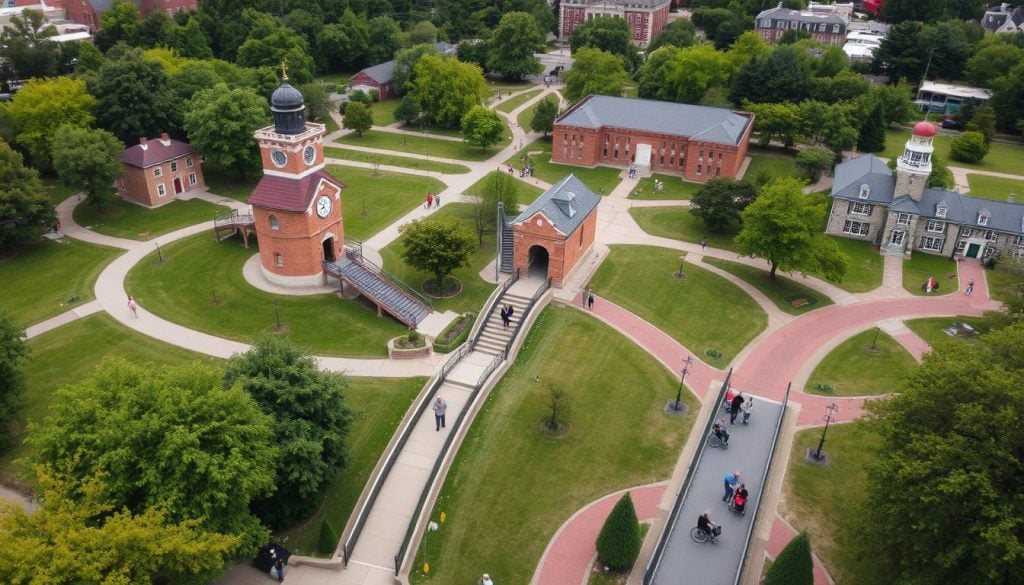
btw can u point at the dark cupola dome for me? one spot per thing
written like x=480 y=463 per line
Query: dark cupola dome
x=289 y=109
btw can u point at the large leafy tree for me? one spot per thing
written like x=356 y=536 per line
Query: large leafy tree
x=872 y=130
x=311 y=422
x=776 y=121
x=42 y=106
x=720 y=201
x=900 y=52
x=270 y=47
x=992 y=60
x=544 y=116
x=482 y=127
x=609 y=34
x=933 y=10
x=794 y=565
x=117 y=24
x=27 y=45
x=618 y=543
x=134 y=98
x=1008 y=99
x=447 y=88
x=343 y=45
x=678 y=33
x=721 y=25
x=694 y=70
x=942 y=501
x=220 y=122
x=168 y=436
x=437 y=247
x=24 y=207
x=358 y=117
x=87 y=159
x=189 y=41
x=784 y=227
x=782 y=75
x=382 y=39
x=13 y=351
x=405 y=66
x=510 y=50
x=79 y=536
x=595 y=71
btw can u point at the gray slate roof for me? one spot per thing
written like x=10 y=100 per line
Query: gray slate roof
x=385 y=72
x=703 y=123
x=566 y=205
x=850 y=175
x=788 y=14
x=961 y=209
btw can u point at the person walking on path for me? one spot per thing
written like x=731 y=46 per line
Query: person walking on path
x=731 y=481
x=734 y=407
x=504 y=317
x=703 y=244
x=748 y=408
x=133 y=308
x=970 y=288
x=437 y=200
x=279 y=569
x=509 y=311
x=590 y=300
x=430 y=199
x=440 y=408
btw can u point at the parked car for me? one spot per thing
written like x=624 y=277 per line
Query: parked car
x=951 y=124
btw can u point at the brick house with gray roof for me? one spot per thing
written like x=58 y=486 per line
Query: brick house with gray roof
x=155 y=170
x=899 y=213
x=694 y=142
x=826 y=28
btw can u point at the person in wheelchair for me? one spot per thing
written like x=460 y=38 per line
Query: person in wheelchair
x=721 y=432
x=739 y=499
x=705 y=525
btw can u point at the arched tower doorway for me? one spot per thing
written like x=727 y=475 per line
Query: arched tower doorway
x=538 y=261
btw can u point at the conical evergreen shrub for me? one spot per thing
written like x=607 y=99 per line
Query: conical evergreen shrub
x=793 y=566
x=328 y=540
x=618 y=544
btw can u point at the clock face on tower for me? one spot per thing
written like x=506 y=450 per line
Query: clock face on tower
x=309 y=155
x=323 y=206
x=279 y=157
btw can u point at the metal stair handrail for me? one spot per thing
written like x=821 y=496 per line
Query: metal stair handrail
x=358 y=258
x=489 y=306
x=232 y=217
x=526 y=311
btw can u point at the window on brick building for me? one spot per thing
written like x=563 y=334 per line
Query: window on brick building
x=718 y=171
x=161 y=190
x=699 y=168
x=158 y=172
x=661 y=160
x=278 y=259
x=580 y=151
x=191 y=178
x=189 y=163
x=174 y=166
x=604 y=152
x=274 y=224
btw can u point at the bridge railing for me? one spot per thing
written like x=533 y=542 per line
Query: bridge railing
x=355 y=253
x=673 y=516
x=489 y=306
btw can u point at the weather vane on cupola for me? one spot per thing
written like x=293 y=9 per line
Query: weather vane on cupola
x=284 y=71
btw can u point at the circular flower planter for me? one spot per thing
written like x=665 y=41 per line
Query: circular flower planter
x=399 y=353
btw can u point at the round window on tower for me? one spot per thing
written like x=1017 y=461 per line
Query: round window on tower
x=309 y=155
x=279 y=157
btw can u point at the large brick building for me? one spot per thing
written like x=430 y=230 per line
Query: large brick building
x=88 y=12
x=828 y=28
x=694 y=142
x=556 y=231
x=901 y=214
x=297 y=204
x=646 y=18
x=155 y=170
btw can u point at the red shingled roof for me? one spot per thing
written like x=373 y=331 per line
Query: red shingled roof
x=289 y=194
x=154 y=151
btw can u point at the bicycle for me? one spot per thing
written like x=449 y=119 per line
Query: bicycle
x=701 y=536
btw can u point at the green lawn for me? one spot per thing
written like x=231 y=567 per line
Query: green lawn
x=229 y=184
x=379 y=404
x=395 y=160
x=854 y=368
x=506 y=86
x=384 y=112
x=600 y=180
x=677 y=223
x=930 y=329
x=996 y=188
x=526 y=117
x=49 y=277
x=703 y=312
x=509 y=104
x=341 y=79
x=674 y=188
x=58 y=191
x=777 y=162
x=474 y=289
x=920 y=266
x=63 y=356
x=413 y=142
x=866 y=267
x=826 y=501
x=511 y=486
x=122 y=219
x=1005 y=284
x=788 y=295
x=525 y=193
x=1001 y=158
x=197 y=268
x=330 y=125
x=369 y=203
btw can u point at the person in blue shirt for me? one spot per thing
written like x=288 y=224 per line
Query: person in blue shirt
x=731 y=481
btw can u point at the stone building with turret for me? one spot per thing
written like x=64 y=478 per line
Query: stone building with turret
x=899 y=213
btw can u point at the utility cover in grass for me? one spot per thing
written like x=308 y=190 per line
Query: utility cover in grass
x=619 y=542
x=793 y=566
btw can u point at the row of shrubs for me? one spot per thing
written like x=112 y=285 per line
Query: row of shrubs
x=455 y=334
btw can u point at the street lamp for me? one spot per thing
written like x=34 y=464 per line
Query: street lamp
x=677 y=407
x=681 y=259
x=159 y=254
x=830 y=412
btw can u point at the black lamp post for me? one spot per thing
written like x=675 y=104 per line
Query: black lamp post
x=677 y=406
x=159 y=254
x=829 y=417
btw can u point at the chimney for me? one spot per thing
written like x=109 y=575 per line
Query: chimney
x=165 y=139
x=142 y=142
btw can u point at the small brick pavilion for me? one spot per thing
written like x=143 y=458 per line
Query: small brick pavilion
x=155 y=170
x=556 y=231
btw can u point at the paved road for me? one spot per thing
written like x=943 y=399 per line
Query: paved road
x=686 y=562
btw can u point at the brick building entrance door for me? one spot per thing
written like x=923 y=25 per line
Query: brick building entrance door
x=538 y=261
x=643 y=158
x=177 y=186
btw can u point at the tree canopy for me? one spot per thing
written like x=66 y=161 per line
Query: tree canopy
x=437 y=247
x=221 y=121
x=311 y=422
x=544 y=116
x=447 y=89
x=164 y=436
x=25 y=207
x=358 y=116
x=42 y=106
x=719 y=202
x=794 y=565
x=13 y=350
x=942 y=503
x=784 y=227
x=595 y=72
x=482 y=127
x=618 y=543
x=606 y=33
x=88 y=159
x=27 y=45
x=133 y=98
x=510 y=50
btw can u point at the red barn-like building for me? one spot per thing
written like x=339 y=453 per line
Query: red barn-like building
x=88 y=12
x=694 y=142
x=646 y=18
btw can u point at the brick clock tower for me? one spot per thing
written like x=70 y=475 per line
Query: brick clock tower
x=297 y=204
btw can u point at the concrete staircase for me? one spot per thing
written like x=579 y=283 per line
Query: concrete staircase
x=494 y=337
x=374 y=286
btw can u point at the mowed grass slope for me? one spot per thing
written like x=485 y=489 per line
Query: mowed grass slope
x=122 y=219
x=201 y=286
x=863 y=365
x=703 y=312
x=370 y=203
x=511 y=485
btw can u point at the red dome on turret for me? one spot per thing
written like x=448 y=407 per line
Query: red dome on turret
x=924 y=129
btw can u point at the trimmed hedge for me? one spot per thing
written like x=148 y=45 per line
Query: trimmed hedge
x=618 y=544
x=793 y=566
x=443 y=346
x=327 y=543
